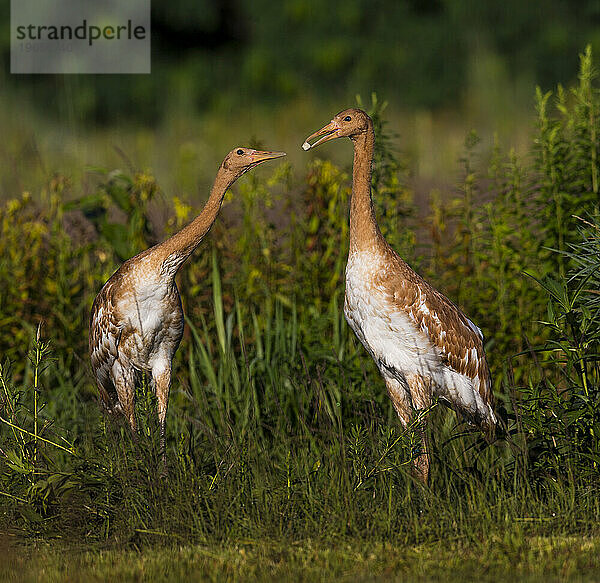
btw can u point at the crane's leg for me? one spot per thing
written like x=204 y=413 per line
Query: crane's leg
x=401 y=400
x=420 y=392
x=405 y=400
x=161 y=375
x=124 y=381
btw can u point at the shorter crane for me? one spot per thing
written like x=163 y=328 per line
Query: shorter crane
x=136 y=322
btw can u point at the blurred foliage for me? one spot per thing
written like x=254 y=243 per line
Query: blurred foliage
x=290 y=240
x=130 y=196
x=425 y=53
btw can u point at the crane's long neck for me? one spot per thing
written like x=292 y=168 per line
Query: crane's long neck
x=172 y=253
x=364 y=232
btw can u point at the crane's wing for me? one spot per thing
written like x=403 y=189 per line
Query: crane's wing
x=459 y=341
x=104 y=338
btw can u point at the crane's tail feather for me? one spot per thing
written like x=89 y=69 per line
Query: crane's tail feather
x=494 y=426
x=109 y=399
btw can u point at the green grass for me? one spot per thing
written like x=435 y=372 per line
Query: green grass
x=495 y=559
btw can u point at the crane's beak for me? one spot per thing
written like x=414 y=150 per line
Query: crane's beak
x=258 y=157
x=329 y=132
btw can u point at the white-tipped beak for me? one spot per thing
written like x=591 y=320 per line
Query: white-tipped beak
x=329 y=132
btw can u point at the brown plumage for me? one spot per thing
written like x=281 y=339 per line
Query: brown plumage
x=136 y=321
x=423 y=345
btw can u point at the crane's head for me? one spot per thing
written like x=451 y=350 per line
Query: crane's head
x=349 y=123
x=240 y=159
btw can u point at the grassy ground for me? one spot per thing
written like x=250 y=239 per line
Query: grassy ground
x=511 y=558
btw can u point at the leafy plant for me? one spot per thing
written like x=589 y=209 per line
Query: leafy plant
x=129 y=195
x=561 y=414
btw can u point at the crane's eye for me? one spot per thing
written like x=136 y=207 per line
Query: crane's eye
x=347 y=118
x=240 y=152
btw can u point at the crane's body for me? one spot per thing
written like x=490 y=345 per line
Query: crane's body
x=420 y=341
x=136 y=321
x=136 y=326
x=423 y=345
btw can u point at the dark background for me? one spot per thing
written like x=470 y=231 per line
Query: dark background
x=417 y=53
